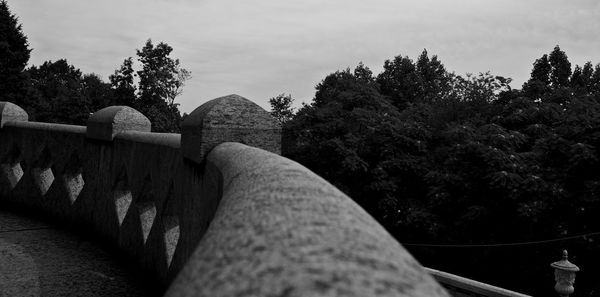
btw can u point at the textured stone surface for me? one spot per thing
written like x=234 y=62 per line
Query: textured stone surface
x=281 y=230
x=10 y=112
x=38 y=260
x=108 y=122
x=103 y=187
x=230 y=118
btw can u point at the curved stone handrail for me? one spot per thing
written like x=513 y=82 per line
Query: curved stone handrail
x=278 y=229
x=462 y=286
x=281 y=230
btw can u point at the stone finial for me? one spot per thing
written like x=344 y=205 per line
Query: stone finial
x=10 y=112
x=231 y=118
x=108 y=122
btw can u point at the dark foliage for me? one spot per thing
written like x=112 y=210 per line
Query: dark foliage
x=404 y=82
x=14 y=54
x=161 y=81
x=444 y=159
x=57 y=93
x=122 y=83
x=281 y=106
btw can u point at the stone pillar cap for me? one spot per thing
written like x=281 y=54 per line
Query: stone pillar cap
x=231 y=111
x=10 y=112
x=230 y=118
x=108 y=122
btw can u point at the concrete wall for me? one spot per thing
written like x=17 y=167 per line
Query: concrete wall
x=208 y=218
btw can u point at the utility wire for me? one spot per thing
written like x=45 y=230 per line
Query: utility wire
x=502 y=244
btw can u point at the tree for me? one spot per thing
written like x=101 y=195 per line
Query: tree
x=448 y=171
x=586 y=76
x=541 y=70
x=406 y=83
x=578 y=83
x=14 y=55
x=363 y=73
x=399 y=81
x=96 y=92
x=561 y=68
x=122 y=83
x=539 y=82
x=353 y=136
x=281 y=108
x=56 y=93
x=161 y=77
x=161 y=81
x=435 y=80
x=483 y=87
x=595 y=80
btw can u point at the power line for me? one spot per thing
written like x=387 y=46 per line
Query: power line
x=502 y=244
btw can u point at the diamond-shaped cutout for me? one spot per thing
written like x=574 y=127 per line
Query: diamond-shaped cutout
x=42 y=174
x=170 y=222
x=11 y=171
x=72 y=177
x=171 y=237
x=147 y=212
x=146 y=207
x=122 y=195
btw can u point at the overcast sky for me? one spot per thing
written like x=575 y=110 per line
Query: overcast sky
x=258 y=49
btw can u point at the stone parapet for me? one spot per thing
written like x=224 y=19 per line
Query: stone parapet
x=281 y=230
x=459 y=286
x=220 y=219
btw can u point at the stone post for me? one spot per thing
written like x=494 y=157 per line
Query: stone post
x=11 y=171
x=10 y=112
x=108 y=122
x=564 y=275
x=231 y=118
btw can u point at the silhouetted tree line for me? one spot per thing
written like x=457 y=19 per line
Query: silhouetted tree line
x=440 y=158
x=58 y=92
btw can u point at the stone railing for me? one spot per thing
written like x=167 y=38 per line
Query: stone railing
x=459 y=286
x=211 y=212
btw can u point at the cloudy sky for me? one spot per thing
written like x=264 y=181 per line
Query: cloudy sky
x=261 y=48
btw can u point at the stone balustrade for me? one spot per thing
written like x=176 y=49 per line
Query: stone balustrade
x=459 y=286
x=211 y=212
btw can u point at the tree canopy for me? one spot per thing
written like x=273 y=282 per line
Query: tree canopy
x=122 y=82
x=282 y=109
x=161 y=77
x=441 y=158
x=58 y=92
x=14 y=55
x=161 y=80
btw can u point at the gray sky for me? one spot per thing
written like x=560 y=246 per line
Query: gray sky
x=261 y=48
